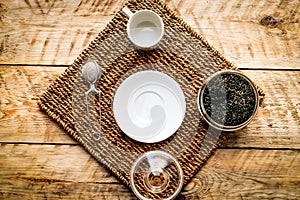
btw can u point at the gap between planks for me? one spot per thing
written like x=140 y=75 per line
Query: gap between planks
x=222 y=147
x=5 y=65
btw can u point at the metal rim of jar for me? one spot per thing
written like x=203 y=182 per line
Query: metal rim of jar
x=212 y=122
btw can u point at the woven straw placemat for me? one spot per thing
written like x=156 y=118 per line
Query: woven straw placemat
x=182 y=54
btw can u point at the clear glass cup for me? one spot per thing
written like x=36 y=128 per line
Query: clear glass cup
x=156 y=175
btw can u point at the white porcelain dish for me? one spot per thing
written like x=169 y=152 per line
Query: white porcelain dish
x=149 y=106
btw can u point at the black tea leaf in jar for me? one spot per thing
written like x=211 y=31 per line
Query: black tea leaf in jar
x=228 y=100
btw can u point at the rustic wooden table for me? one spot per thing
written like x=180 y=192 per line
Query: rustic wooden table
x=40 y=38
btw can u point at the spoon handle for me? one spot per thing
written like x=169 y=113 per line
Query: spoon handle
x=96 y=135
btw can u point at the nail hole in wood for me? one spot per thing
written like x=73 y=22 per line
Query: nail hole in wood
x=269 y=21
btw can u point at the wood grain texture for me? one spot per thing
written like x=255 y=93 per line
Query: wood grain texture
x=276 y=125
x=247 y=174
x=55 y=32
x=68 y=172
x=235 y=28
x=20 y=118
x=38 y=160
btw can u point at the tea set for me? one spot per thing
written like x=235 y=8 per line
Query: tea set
x=150 y=106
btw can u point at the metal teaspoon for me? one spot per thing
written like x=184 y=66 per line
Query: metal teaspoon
x=91 y=72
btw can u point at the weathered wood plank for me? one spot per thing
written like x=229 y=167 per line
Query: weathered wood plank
x=69 y=172
x=276 y=125
x=247 y=174
x=51 y=172
x=21 y=119
x=237 y=29
x=56 y=33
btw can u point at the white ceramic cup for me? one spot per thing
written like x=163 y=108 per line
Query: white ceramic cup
x=145 y=28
